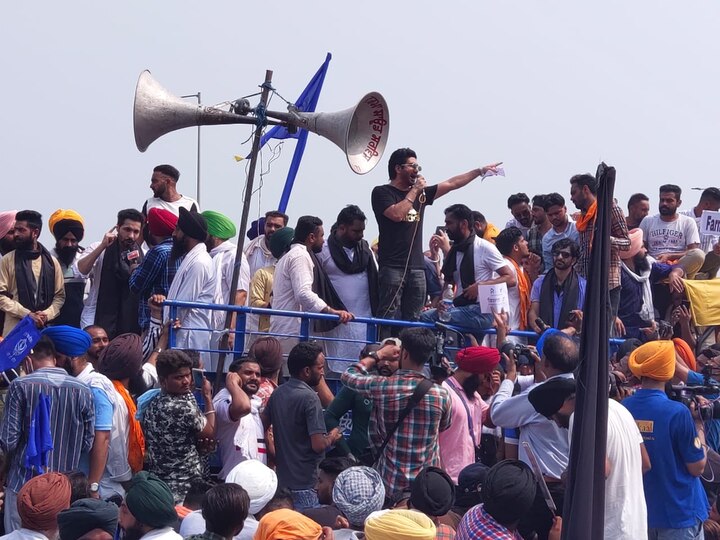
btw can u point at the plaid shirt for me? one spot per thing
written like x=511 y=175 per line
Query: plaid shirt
x=415 y=443
x=153 y=276
x=444 y=532
x=619 y=241
x=477 y=523
x=534 y=240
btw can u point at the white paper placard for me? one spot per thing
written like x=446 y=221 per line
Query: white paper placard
x=710 y=223
x=493 y=298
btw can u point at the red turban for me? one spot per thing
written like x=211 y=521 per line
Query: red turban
x=477 y=359
x=684 y=351
x=41 y=499
x=161 y=222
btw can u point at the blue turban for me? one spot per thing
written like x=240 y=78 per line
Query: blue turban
x=68 y=340
x=546 y=334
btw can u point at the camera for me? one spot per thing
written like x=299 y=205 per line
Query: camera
x=518 y=351
x=688 y=394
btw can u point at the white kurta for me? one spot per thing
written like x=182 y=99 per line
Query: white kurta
x=223 y=257
x=194 y=282
x=258 y=255
x=88 y=313
x=292 y=291
x=354 y=291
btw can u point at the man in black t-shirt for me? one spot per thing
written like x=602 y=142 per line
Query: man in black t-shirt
x=399 y=208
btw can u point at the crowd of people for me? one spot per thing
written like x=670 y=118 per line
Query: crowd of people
x=107 y=430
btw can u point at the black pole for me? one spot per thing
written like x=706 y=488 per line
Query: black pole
x=262 y=121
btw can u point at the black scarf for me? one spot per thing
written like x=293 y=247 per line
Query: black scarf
x=35 y=295
x=324 y=289
x=570 y=292
x=117 y=308
x=467 y=267
x=362 y=261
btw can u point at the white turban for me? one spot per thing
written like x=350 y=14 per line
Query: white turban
x=259 y=480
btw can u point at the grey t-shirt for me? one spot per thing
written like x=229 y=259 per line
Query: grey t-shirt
x=295 y=413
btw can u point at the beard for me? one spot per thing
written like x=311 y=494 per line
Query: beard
x=7 y=244
x=178 y=249
x=316 y=249
x=471 y=385
x=665 y=211
x=132 y=533
x=251 y=391
x=23 y=245
x=66 y=255
x=641 y=263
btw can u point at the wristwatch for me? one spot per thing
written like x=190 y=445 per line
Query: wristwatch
x=94 y=487
x=374 y=356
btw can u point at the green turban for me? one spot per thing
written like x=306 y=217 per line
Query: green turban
x=150 y=501
x=280 y=241
x=219 y=225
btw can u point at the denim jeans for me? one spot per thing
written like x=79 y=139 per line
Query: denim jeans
x=400 y=298
x=688 y=533
x=468 y=317
x=304 y=499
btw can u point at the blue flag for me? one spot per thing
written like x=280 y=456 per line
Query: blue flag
x=17 y=344
x=305 y=103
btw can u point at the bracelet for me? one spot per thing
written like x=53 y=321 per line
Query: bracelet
x=208 y=413
x=409 y=200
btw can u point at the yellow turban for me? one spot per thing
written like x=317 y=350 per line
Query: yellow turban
x=399 y=525
x=491 y=231
x=59 y=215
x=654 y=360
x=285 y=524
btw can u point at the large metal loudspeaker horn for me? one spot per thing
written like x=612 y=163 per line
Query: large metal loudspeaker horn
x=361 y=131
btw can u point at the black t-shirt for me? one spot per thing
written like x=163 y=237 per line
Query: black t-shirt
x=395 y=237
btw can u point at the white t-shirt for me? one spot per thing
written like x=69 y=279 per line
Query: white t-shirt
x=514 y=301
x=625 y=507
x=185 y=202
x=669 y=236
x=487 y=260
x=707 y=241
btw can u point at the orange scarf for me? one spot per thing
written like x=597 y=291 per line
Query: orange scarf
x=136 y=442
x=523 y=285
x=589 y=217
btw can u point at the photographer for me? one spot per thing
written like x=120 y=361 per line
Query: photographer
x=558 y=359
x=675 y=441
x=405 y=445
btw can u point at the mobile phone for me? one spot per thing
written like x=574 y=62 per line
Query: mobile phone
x=439 y=230
x=198 y=378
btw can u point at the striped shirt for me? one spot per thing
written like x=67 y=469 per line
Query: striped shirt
x=415 y=443
x=72 y=421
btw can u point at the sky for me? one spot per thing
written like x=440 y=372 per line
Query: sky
x=550 y=88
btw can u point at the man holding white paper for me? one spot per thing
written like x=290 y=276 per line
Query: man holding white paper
x=470 y=263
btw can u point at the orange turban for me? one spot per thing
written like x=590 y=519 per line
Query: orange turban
x=491 y=231
x=654 y=360
x=41 y=499
x=685 y=352
x=287 y=524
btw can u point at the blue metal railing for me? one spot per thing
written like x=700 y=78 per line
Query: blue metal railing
x=371 y=334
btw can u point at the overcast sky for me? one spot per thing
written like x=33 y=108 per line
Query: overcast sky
x=550 y=88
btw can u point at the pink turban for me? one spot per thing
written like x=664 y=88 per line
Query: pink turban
x=636 y=244
x=7 y=222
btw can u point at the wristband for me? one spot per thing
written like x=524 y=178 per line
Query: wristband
x=409 y=200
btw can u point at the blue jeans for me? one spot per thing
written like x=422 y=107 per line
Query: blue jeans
x=467 y=317
x=303 y=499
x=688 y=533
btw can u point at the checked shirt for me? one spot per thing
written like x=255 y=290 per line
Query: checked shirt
x=415 y=443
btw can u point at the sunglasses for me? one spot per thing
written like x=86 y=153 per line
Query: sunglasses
x=562 y=254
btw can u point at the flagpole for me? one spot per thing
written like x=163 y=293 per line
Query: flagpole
x=261 y=123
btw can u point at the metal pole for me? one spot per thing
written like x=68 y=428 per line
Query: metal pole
x=197 y=184
x=243 y=221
